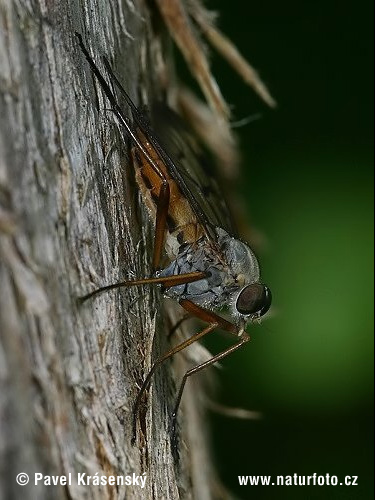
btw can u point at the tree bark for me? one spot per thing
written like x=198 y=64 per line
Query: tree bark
x=71 y=221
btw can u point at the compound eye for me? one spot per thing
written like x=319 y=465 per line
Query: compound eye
x=254 y=299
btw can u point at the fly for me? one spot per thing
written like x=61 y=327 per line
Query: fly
x=208 y=267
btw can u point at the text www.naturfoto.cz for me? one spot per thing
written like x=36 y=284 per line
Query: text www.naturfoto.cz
x=297 y=480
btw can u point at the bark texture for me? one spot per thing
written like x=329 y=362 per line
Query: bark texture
x=71 y=221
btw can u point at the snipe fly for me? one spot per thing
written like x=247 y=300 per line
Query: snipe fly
x=208 y=268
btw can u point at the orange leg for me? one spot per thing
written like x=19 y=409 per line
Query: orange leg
x=242 y=340
x=213 y=321
x=167 y=281
x=157 y=363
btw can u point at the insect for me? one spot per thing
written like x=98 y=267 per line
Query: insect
x=208 y=267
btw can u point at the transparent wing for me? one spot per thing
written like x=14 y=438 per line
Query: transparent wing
x=176 y=148
x=196 y=173
x=184 y=159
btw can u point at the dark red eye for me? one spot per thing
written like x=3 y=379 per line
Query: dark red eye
x=254 y=299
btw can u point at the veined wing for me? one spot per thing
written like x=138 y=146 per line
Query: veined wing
x=197 y=175
x=185 y=161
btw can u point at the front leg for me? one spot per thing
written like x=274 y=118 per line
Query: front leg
x=208 y=316
x=156 y=364
x=213 y=321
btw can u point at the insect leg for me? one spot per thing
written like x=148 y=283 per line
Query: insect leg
x=167 y=281
x=208 y=316
x=245 y=338
x=157 y=363
x=214 y=321
x=124 y=120
x=164 y=192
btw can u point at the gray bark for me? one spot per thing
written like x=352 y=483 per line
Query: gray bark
x=71 y=221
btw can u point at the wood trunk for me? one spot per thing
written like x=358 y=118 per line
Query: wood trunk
x=70 y=221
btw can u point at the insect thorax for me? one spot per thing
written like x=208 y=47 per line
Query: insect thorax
x=229 y=267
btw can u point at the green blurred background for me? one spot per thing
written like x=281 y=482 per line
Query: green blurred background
x=308 y=184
